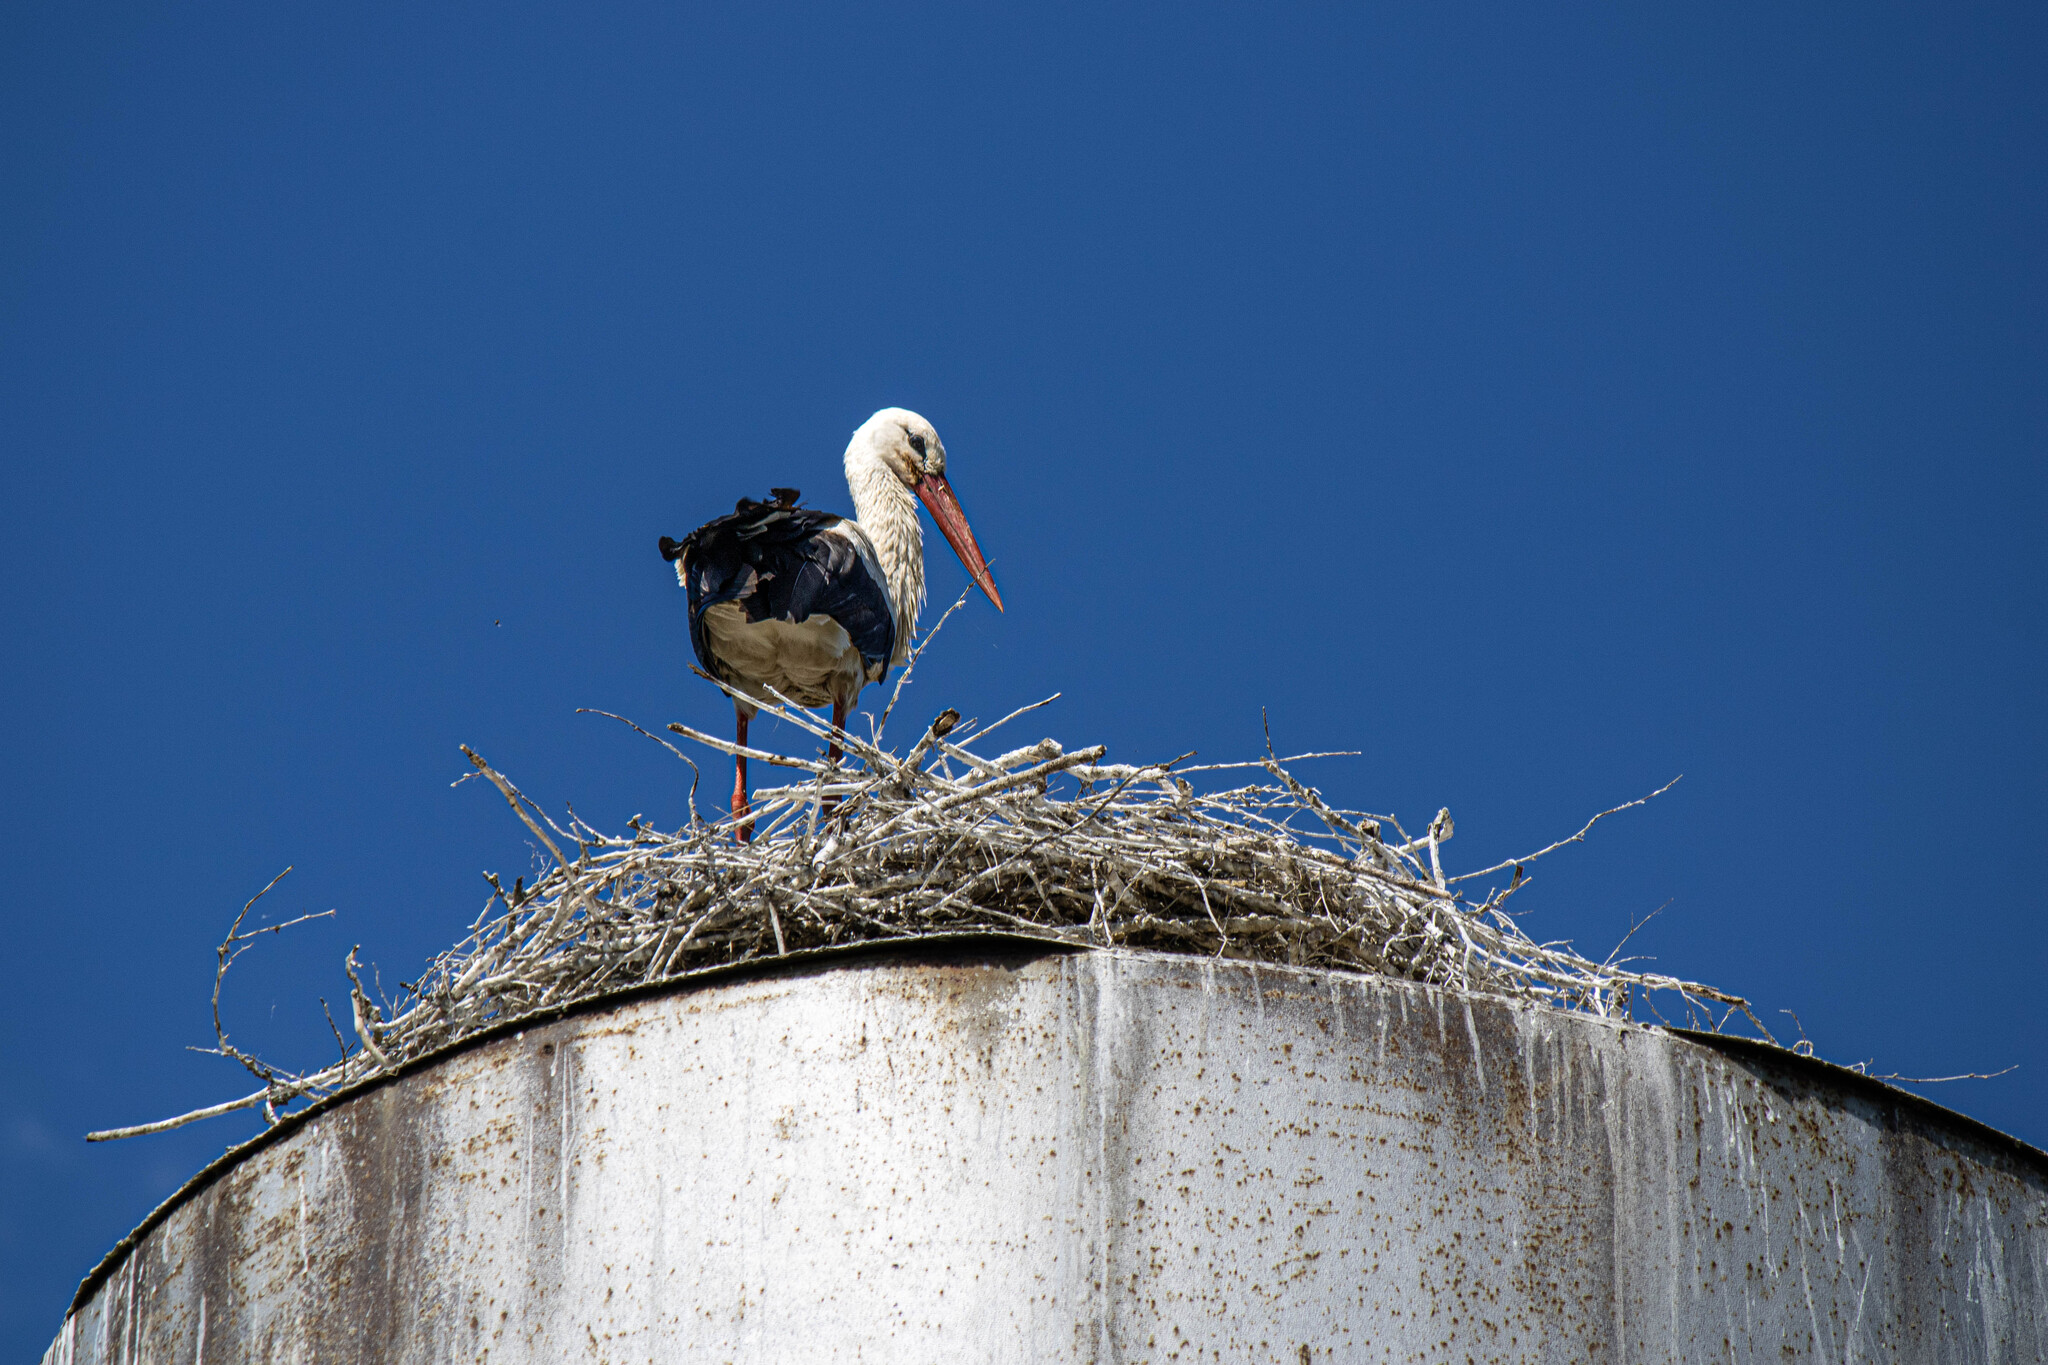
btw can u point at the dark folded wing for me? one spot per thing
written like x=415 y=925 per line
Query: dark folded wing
x=787 y=564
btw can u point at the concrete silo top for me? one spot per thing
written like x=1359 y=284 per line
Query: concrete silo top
x=997 y=1149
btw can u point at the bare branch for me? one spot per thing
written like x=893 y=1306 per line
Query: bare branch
x=695 y=773
x=1578 y=838
x=165 y=1125
x=511 y=795
x=1938 y=1080
x=910 y=664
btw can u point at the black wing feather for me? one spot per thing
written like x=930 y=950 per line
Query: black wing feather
x=776 y=561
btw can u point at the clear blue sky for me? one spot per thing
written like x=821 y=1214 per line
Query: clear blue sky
x=1543 y=401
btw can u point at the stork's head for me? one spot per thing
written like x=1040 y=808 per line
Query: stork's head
x=906 y=446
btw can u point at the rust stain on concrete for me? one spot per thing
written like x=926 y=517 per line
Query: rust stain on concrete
x=1002 y=1155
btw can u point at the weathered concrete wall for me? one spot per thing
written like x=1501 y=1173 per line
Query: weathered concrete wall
x=1095 y=1157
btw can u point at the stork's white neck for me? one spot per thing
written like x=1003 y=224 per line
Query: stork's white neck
x=887 y=512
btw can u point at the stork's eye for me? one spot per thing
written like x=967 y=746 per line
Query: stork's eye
x=917 y=444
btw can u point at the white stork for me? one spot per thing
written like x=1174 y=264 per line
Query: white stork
x=811 y=604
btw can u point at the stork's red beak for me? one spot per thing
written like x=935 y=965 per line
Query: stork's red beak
x=938 y=499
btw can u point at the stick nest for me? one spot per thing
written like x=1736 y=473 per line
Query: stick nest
x=951 y=834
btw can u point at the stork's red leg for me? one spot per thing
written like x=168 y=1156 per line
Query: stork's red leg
x=743 y=829
x=832 y=750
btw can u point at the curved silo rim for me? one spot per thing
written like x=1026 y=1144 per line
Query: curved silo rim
x=1018 y=948
x=1011 y=947
x=1756 y=1055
